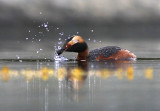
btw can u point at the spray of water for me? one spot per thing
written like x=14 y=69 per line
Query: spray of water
x=58 y=57
x=37 y=37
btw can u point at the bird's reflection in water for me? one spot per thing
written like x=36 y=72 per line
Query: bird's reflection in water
x=71 y=77
x=77 y=76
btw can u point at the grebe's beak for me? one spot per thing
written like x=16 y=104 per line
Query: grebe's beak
x=60 y=51
x=73 y=44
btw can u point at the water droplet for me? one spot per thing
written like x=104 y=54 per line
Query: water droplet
x=92 y=66
x=37 y=52
x=59 y=39
x=26 y=38
x=89 y=39
x=59 y=47
x=94 y=40
x=47 y=29
x=100 y=41
x=57 y=28
x=20 y=61
x=62 y=33
x=91 y=30
x=45 y=25
x=33 y=38
x=39 y=40
x=40 y=49
x=55 y=47
x=40 y=13
x=77 y=32
x=17 y=56
x=29 y=31
x=60 y=42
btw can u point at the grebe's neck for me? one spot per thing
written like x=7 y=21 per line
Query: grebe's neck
x=82 y=55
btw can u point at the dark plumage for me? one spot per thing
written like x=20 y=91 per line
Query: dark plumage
x=104 y=51
x=78 y=47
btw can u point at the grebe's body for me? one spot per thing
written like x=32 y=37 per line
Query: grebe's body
x=77 y=44
x=111 y=52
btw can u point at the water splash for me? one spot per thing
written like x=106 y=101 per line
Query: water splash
x=58 y=57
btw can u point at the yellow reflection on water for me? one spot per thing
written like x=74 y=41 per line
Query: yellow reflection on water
x=130 y=73
x=72 y=74
x=77 y=74
x=104 y=73
x=61 y=73
x=45 y=73
x=120 y=73
x=149 y=73
x=5 y=73
x=28 y=74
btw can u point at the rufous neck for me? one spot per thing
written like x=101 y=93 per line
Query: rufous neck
x=82 y=55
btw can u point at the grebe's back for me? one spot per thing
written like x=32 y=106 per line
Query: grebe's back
x=111 y=53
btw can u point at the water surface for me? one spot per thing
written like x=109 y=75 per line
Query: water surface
x=70 y=85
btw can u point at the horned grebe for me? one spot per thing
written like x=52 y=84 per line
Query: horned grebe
x=77 y=44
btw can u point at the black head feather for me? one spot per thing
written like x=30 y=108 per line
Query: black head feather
x=78 y=47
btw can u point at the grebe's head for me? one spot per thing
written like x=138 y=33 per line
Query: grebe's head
x=73 y=44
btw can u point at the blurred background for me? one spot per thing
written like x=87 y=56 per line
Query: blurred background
x=32 y=28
